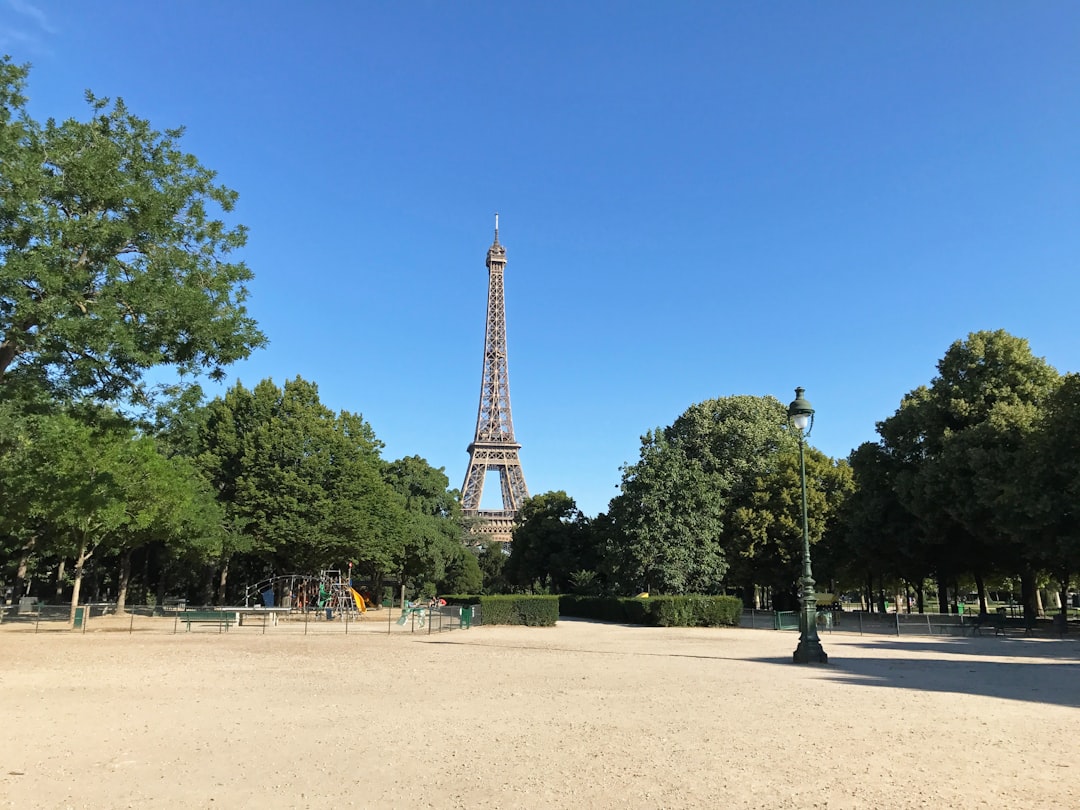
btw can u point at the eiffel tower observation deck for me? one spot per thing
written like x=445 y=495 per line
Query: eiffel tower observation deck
x=494 y=448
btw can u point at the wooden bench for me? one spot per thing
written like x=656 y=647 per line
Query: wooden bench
x=222 y=619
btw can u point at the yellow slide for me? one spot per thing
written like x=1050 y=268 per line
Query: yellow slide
x=359 y=601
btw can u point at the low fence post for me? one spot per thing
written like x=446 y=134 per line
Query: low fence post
x=898 y=623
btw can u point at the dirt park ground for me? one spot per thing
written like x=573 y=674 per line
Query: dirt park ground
x=582 y=715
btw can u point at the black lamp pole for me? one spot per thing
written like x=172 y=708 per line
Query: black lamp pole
x=801 y=418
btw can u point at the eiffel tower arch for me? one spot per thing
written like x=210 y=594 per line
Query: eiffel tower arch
x=494 y=448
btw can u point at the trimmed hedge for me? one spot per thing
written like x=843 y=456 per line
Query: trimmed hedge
x=692 y=610
x=532 y=611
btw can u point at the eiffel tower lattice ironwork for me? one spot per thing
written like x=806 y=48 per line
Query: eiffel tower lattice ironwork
x=494 y=447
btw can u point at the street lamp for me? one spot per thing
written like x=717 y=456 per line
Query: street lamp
x=801 y=417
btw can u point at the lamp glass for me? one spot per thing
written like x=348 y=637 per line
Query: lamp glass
x=800 y=420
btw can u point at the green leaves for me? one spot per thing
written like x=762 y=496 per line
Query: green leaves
x=551 y=540
x=110 y=260
x=965 y=459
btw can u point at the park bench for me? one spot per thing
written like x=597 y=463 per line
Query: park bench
x=220 y=618
x=933 y=624
x=999 y=623
x=990 y=621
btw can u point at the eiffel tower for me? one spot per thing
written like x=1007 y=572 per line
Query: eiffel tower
x=494 y=448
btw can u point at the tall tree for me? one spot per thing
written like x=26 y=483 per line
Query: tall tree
x=432 y=553
x=766 y=528
x=879 y=537
x=92 y=488
x=955 y=445
x=670 y=525
x=551 y=542
x=303 y=488
x=1051 y=493
x=111 y=260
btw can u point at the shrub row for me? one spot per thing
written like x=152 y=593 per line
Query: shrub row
x=692 y=610
x=533 y=611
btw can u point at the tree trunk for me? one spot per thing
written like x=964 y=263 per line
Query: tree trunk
x=749 y=595
x=920 y=595
x=21 y=586
x=123 y=581
x=144 y=590
x=60 y=580
x=80 y=564
x=1029 y=594
x=980 y=586
x=162 y=583
x=222 y=580
x=1063 y=593
x=869 y=592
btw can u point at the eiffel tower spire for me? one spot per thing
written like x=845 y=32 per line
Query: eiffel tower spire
x=494 y=447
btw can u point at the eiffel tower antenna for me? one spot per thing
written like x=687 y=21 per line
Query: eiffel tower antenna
x=494 y=448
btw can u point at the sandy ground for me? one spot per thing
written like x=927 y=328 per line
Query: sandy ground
x=577 y=716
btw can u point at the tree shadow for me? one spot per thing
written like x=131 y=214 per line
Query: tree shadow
x=1051 y=680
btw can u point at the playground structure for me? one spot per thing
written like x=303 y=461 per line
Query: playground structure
x=331 y=593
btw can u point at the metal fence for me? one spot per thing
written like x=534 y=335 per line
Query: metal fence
x=35 y=617
x=895 y=624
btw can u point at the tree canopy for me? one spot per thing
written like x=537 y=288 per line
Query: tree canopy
x=958 y=456
x=112 y=260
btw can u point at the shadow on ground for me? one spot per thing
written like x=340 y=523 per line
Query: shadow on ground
x=1050 y=680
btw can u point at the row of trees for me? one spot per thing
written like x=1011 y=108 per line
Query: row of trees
x=975 y=479
x=712 y=505
x=258 y=482
x=115 y=258
x=975 y=475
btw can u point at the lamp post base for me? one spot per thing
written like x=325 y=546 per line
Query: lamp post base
x=810 y=651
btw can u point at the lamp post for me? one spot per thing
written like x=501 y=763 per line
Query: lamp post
x=801 y=417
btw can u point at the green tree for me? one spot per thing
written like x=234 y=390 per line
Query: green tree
x=492 y=557
x=1051 y=493
x=551 y=541
x=303 y=488
x=432 y=549
x=879 y=538
x=766 y=529
x=92 y=488
x=111 y=260
x=463 y=574
x=955 y=446
x=670 y=526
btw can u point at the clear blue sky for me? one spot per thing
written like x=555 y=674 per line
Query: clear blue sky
x=698 y=199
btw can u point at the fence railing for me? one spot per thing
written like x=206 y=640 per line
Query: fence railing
x=36 y=617
x=899 y=624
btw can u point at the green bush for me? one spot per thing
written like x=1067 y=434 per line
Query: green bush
x=532 y=611
x=637 y=611
x=661 y=611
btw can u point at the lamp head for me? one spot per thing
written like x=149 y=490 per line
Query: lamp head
x=801 y=413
